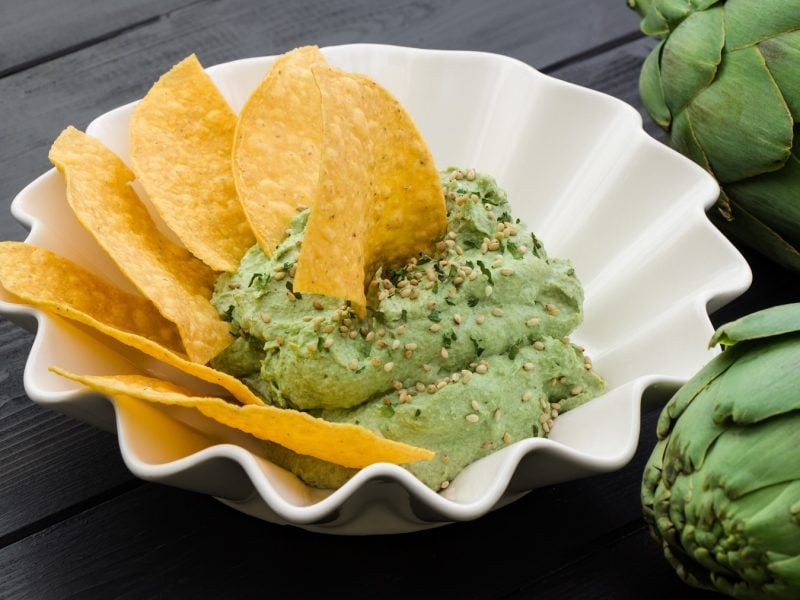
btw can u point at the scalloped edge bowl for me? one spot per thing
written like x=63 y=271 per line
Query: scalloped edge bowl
x=578 y=168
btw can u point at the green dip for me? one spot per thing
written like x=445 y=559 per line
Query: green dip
x=461 y=353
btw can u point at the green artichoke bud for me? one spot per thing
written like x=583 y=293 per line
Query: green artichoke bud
x=724 y=82
x=721 y=490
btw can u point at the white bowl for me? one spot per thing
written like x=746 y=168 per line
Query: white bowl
x=578 y=168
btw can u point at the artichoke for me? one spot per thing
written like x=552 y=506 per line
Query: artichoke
x=724 y=82
x=721 y=490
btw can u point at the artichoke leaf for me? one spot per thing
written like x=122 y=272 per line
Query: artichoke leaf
x=769 y=322
x=741 y=120
x=650 y=89
x=684 y=140
x=689 y=391
x=773 y=198
x=653 y=22
x=746 y=459
x=782 y=56
x=748 y=23
x=766 y=515
x=691 y=56
x=746 y=228
x=760 y=384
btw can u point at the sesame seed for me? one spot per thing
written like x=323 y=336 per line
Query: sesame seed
x=554 y=413
x=528 y=366
x=527 y=395
x=544 y=404
x=445 y=354
x=279 y=340
x=497 y=311
x=523 y=249
x=388 y=366
x=552 y=309
x=414 y=293
x=327 y=343
x=459 y=250
x=353 y=334
x=543 y=418
x=280 y=275
x=401 y=329
x=470 y=174
x=291 y=297
x=311 y=346
x=353 y=364
x=266 y=318
x=452 y=292
x=431 y=304
x=405 y=292
x=466 y=375
x=506 y=272
x=473 y=276
x=555 y=406
x=562 y=380
x=480 y=319
x=494 y=245
x=442 y=384
x=546 y=427
x=435 y=327
x=307 y=318
x=532 y=322
x=395 y=344
x=472 y=418
x=500 y=227
x=381 y=332
x=370 y=336
x=450 y=243
x=488 y=291
x=426 y=367
x=381 y=344
x=506 y=438
x=487 y=444
x=444 y=485
x=420 y=386
x=457 y=319
x=234 y=285
x=482 y=369
x=328 y=329
x=403 y=283
x=539 y=345
x=491 y=216
x=498 y=414
x=455 y=377
x=408 y=353
x=575 y=390
x=410 y=346
x=565 y=340
x=432 y=388
x=497 y=263
x=458 y=280
x=484 y=248
x=317 y=305
x=293 y=270
x=475 y=406
x=376 y=362
x=444 y=458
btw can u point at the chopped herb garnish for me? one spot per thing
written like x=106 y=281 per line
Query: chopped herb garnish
x=290 y=287
x=320 y=344
x=538 y=247
x=228 y=314
x=485 y=271
x=513 y=350
x=513 y=250
x=447 y=339
x=417 y=413
x=435 y=287
x=478 y=348
x=472 y=301
x=287 y=266
x=387 y=410
x=435 y=316
x=260 y=280
x=449 y=301
x=404 y=316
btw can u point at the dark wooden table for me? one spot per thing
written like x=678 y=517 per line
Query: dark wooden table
x=75 y=524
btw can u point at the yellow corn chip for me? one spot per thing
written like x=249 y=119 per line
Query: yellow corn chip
x=58 y=285
x=340 y=443
x=181 y=138
x=42 y=278
x=277 y=147
x=179 y=285
x=379 y=200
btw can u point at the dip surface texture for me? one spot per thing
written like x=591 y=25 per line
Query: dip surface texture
x=463 y=352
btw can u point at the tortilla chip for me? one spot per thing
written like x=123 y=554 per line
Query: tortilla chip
x=57 y=285
x=42 y=278
x=379 y=200
x=181 y=139
x=340 y=443
x=277 y=147
x=178 y=284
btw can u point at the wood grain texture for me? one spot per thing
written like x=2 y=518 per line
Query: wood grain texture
x=73 y=89
x=36 y=30
x=158 y=542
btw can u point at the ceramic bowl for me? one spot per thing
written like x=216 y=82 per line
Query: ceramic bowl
x=578 y=168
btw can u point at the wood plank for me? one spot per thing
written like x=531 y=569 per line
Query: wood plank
x=37 y=103
x=145 y=542
x=38 y=30
x=49 y=461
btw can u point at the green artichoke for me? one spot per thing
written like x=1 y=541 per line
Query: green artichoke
x=725 y=83
x=721 y=490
